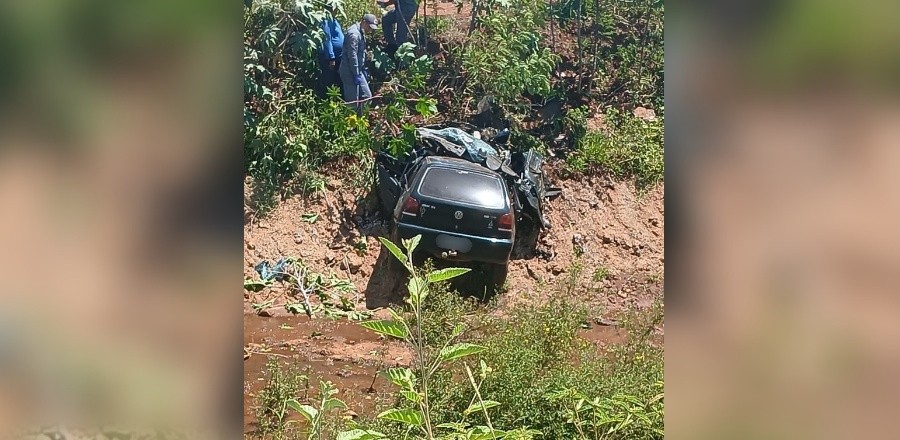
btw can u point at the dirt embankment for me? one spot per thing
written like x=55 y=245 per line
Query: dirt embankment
x=605 y=247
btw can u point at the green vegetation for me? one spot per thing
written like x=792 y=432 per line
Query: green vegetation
x=629 y=147
x=525 y=375
x=524 y=53
x=334 y=294
x=541 y=370
x=289 y=132
x=282 y=396
x=504 y=55
x=272 y=401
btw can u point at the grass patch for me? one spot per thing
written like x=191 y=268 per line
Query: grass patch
x=628 y=147
x=541 y=368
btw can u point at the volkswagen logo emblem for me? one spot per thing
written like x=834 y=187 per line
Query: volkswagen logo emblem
x=458 y=215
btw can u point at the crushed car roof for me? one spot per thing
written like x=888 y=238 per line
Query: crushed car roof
x=458 y=163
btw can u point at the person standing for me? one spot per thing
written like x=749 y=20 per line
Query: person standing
x=331 y=51
x=353 y=67
x=396 y=22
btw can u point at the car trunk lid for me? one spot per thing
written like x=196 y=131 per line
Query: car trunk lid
x=462 y=201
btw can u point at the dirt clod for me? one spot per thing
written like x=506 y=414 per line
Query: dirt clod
x=644 y=113
x=351 y=263
x=578 y=240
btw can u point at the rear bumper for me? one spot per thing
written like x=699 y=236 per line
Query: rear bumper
x=482 y=249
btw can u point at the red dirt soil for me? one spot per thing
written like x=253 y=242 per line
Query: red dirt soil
x=616 y=231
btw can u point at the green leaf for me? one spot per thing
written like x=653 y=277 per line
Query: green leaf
x=306 y=411
x=402 y=377
x=417 y=291
x=406 y=416
x=389 y=328
x=360 y=434
x=332 y=404
x=256 y=285
x=398 y=254
x=412 y=243
x=480 y=406
x=485 y=369
x=459 y=350
x=446 y=274
x=426 y=107
x=412 y=396
x=309 y=217
x=485 y=433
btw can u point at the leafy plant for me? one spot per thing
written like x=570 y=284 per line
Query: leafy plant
x=535 y=353
x=289 y=133
x=331 y=292
x=315 y=416
x=505 y=56
x=282 y=387
x=415 y=410
x=617 y=416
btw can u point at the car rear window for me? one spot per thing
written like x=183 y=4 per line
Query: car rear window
x=463 y=186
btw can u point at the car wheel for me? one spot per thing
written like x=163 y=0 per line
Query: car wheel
x=497 y=275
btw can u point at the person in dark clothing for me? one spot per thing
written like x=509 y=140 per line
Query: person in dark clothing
x=353 y=63
x=396 y=22
x=330 y=52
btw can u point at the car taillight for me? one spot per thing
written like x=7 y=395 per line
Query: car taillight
x=411 y=206
x=506 y=222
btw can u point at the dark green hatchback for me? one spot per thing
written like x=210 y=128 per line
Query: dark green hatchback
x=461 y=209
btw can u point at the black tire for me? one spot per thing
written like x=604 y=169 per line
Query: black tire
x=497 y=275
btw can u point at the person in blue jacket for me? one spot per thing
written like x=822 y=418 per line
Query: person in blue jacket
x=331 y=50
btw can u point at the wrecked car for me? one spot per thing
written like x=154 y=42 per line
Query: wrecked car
x=465 y=196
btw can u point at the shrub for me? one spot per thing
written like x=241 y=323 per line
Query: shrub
x=619 y=48
x=517 y=377
x=539 y=366
x=629 y=147
x=289 y=133
x=294 y=142
x=272 y=401
x=505 y=56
